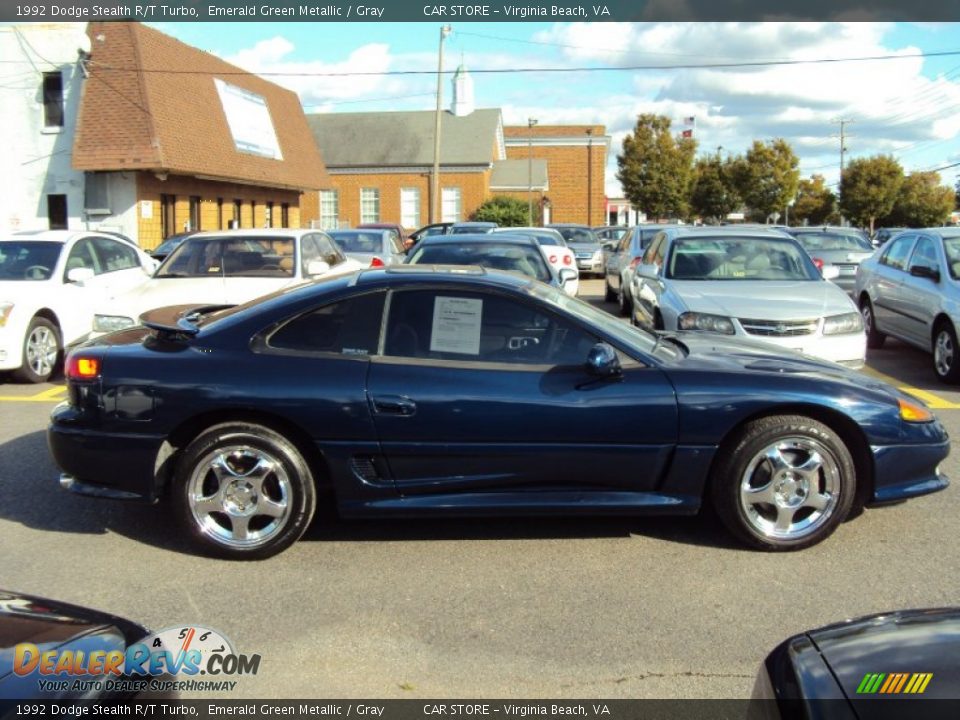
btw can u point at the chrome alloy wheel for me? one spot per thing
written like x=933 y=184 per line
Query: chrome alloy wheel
x=944 y=352
x=41 y=350
x=790 y=488
x=240 y=496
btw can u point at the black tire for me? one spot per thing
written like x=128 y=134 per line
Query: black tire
x=875 y=338
x=623 y=303
x=223 y=513
x=946 y=353
x=658 y=321
x=608 y=294
x=40 y=354
x=783 y=482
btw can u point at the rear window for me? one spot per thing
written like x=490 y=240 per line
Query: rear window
x=523 y=259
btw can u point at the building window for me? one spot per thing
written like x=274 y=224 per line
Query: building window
x=369 y=205
x=235 y=222
x=168 y=215
x=329 y=209
x=285 y=215
x=410 y=207
x=219 y=213
x=57 y=211
x=194 y=213
x=268 y=222
x=253 y=213
x=52 y=99
x=450 y=205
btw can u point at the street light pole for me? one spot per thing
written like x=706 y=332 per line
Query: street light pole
x=530 y=123
x=589 y=175
x=435 y=176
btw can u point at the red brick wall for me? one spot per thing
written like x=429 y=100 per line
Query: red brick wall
x=567 y=177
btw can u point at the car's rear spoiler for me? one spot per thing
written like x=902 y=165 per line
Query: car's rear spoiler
x=177 y=320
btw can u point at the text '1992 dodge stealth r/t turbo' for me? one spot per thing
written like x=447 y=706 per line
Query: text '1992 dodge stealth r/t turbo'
x=432 y=390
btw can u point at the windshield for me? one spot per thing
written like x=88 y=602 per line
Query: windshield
x=469 y=229
x=629 y=335
x=578 y=235
x=523 y=259
x=832 y=241
x=231 y=257
x=357 y=242
x=28 y=260
x=739 y=258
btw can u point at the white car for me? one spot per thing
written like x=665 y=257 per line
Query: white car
x=50 y=282
x=755 y=285
x=555 y=250
x=228 y=267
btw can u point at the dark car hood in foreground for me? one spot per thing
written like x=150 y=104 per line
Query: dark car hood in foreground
x=51 y=625
x=907 y=641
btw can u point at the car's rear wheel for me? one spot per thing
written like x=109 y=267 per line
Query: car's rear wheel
x=946 y=353
x=784 y=482
x=244 y=491
x=875 y=338
x=623 y=302
x=41 y=350
x=608 y=292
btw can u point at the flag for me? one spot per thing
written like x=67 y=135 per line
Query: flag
x=687 y=133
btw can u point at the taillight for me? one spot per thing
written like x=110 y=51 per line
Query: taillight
x=82 y=368
x=376 y=262
x=568 y=260
x=819 y=263
x=553 y=259
x=635 y=262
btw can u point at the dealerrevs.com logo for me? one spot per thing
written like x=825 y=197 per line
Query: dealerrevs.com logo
x=172 y=659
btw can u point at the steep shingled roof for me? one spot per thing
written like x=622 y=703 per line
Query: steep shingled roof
x=150 y=103
x=393 y=139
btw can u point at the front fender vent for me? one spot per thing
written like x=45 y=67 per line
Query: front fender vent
x=365 y=467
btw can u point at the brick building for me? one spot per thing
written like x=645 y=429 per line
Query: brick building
x=172 y=138
x=576 y=158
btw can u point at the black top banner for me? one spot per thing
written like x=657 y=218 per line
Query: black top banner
x=524 y=11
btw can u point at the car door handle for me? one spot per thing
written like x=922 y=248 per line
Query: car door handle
x=394 y=405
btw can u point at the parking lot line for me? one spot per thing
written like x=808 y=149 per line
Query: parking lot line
x=934 y=402
x=54 y=394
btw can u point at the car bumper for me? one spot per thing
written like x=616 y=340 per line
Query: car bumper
x=11 y=348
x=103 y=464
x=906 y=471
x=591 y=266
x=848 y=350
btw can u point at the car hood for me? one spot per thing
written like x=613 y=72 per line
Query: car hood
x=764 y=299
x=906 y=641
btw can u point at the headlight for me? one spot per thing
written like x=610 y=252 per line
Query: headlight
x=5 y=309
x=703 y=321
x=843 y=324
x=110 y=323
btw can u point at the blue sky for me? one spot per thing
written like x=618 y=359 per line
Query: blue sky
x=908 y=107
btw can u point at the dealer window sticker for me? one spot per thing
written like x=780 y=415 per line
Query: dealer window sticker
x=456 y=325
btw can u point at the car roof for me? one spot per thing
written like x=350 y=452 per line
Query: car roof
x=498 y=238
x=475 y=223
x=57 y=236
x=253 y=233
x=684 y=231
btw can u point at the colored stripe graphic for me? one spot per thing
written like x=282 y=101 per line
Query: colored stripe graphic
x=894 y=683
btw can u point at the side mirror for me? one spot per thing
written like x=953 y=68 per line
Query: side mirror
x=648 y=271
x=830 y=272
x=925 y=272
x=567 y=274
x=79 y=275
x=602 y=361
x=317 y=267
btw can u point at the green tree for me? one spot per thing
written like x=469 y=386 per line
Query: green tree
x=504 y=210
x=921 y=202
x=869 y=188
x=768 y=177
x=713 y=195
x=655 y=168
x=956 y=202
x=815 y=201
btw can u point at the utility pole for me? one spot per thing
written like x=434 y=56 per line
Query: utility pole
x=435 y=176
x=589 y=175
x=530 y=123
x=843 y=122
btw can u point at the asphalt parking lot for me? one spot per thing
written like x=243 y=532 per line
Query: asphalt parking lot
x=611 y=608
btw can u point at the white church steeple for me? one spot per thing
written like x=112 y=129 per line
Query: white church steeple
x=462 y=103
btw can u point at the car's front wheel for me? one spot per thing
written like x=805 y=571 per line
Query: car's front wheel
x=41 y=350
x=946 y=354
x=784 y=482
x=244 y=491
x=623 y=302
x=875 y=338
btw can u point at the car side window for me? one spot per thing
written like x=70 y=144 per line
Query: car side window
x=308 y=253
x=397 y=243
x=895 y=256
x=114 y=255
x=925 y=254
x=348 y=327
x=474 y=327
x=624 y=243
x=329 y=251
x=649 y=257
x=81 y=256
